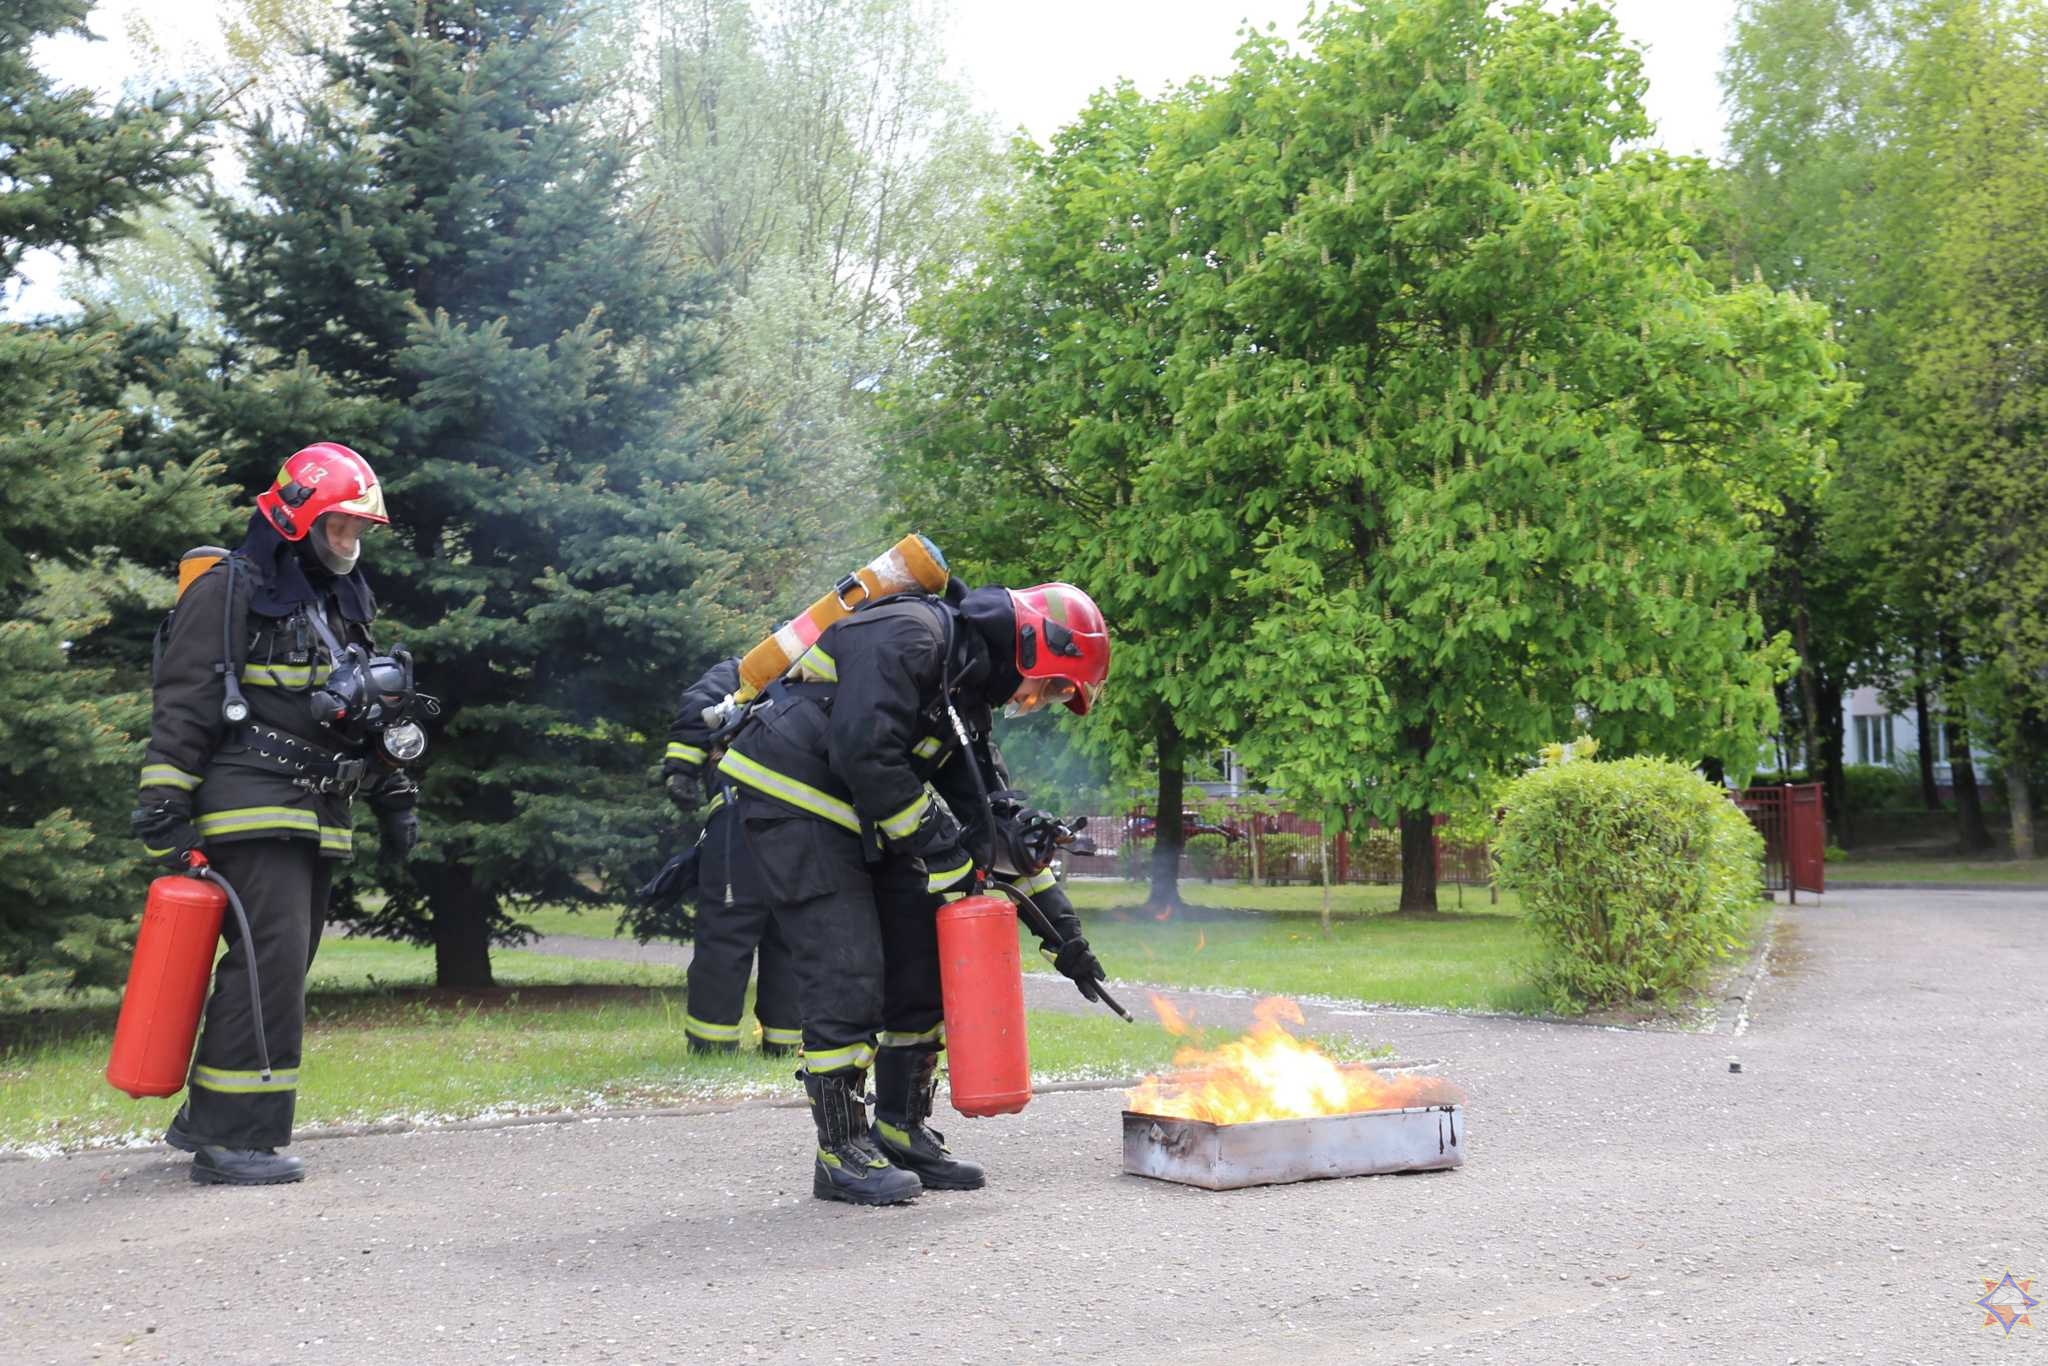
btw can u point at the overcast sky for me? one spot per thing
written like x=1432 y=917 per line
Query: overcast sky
x=1033 y=63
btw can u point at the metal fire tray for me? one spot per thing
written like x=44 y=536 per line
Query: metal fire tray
x=1268 y=1152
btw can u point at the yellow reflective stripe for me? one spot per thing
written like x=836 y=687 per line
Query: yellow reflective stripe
x=168 y=775
x=246 y=818
x=927 y=747
x=245 y=1083
x=688 y=754
x=335 y=838
x=1044 y=880
x=935 y=882
x=715 y=1033
x=770 y=1034
x=716 y=802
x=278 y=675
x=895 y=1133
x=904 y=823
x=896 y=1038
x=854 y=1055
x=817 y=667
x=800 y=795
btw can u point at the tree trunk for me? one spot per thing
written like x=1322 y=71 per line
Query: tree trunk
x=462 y=935
x=1930 y=791
x=1168 y=837
x=1828 y=771
x=1323 y=847
x=1418 y=835
x=2019 y=796
x=1809 y=673
x=1970 y=826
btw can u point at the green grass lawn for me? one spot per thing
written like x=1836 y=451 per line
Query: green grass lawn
x=1988 y=871
x=563 y=1034
x=1272 y=941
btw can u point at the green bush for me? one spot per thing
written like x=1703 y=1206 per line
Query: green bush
x=1635 y=875
x=1878 y=787
x=1377 y=855
x=1208 y=855
x=1288 y=858
x=1834 y=853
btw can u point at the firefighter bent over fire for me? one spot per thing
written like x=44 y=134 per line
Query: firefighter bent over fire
x=271 y=712
x=856 y=855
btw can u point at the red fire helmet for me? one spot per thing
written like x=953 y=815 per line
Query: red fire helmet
x=324 y=477
x=1061 y=634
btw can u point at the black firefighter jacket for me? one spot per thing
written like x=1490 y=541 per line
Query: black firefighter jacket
x=242 y=781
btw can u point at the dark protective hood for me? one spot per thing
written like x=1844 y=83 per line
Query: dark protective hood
x=992 y=623
x=285 y=582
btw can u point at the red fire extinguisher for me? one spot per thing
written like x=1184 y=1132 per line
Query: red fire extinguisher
x=982 y=977
x=167 y=981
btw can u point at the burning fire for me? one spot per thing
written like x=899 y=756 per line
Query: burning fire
x=1270 y=1074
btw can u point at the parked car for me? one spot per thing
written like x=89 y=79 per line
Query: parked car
x=1145 y=827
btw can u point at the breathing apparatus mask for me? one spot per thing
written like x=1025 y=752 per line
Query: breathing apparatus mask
x=372 y=696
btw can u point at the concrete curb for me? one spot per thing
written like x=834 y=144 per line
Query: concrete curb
x=1844 y=885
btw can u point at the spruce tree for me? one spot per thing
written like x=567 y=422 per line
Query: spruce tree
x=442 y=270
x=71 y=176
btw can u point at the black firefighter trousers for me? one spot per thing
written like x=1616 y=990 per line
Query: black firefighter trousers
x=283 y=884
x=865 y=938
x=732 y=923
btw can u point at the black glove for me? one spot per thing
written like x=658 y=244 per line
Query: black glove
x=942 y=861
x=1076 y=962
x=166 y=831
x=398 y=830
x=684 y=786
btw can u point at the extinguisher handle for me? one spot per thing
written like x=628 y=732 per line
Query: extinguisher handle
x=195 y=862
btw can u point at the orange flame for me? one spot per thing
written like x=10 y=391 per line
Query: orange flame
x=1201 y=941
x=1270 y=1074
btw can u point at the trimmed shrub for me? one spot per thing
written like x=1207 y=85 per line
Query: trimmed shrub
x=1877 y=787
x=1636 y=875
x=1208 y=855
x=1287 y=858
x=1377 y=854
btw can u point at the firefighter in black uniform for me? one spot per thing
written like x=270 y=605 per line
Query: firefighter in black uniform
x=241 y=767
x=856 y=855
x=732 y=923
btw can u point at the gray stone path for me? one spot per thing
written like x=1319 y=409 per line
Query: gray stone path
x=1627 y=1198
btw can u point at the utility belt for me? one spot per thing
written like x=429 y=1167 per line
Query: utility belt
x=325 y=771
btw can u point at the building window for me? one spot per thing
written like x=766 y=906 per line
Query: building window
x=1874 y=739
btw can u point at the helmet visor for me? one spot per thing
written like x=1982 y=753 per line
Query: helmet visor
x=337 y=540
x=1036 y=694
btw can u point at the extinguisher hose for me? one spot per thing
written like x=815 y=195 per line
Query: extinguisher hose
x=1041 y=923
x=248 y=961
x=1042 y=926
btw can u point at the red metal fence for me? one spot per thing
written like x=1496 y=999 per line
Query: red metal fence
x=1795 y=829
x=1232 y=842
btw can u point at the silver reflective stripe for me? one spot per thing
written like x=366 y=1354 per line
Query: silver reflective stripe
x=247 y=819
x=278 y=675
x=715 y=1033
x=854 y=1055
x=245 y=1083
x=927 y=747
x=896 y=1038
x=168 y=775
x=904 y=823
x=1045 y=879
x=938 y=882
x=688 y=754
x=800 y=795
x=770 y=1034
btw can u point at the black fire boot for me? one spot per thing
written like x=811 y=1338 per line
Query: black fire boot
x=698 y=1045
x=217 y=1166
x=849 y=1167
x=777 y=1050
x=905 y=1080
x=178 y=1136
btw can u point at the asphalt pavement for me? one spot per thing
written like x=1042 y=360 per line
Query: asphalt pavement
x=1626 y=1197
